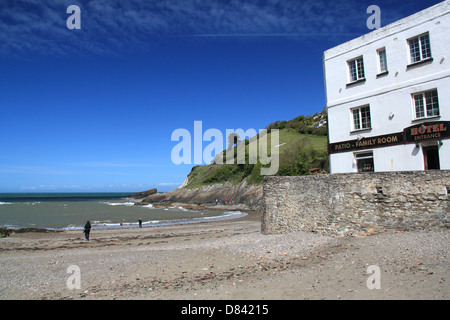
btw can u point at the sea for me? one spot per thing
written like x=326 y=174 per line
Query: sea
x=70 y=211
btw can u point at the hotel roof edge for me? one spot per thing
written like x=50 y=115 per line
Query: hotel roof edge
x=432 y=12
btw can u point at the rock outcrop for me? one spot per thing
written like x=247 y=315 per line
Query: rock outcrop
x=143 y=194
x=242 y=193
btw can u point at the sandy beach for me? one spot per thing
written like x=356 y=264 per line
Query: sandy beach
x=228 y=259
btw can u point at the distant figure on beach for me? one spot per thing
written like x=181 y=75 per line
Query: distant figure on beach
x=87 y=230
x=140 y=223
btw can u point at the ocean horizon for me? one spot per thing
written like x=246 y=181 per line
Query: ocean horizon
x=70 y=211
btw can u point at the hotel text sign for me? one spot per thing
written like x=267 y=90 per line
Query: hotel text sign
x=366 y=143
x=428 y=131
x=413 y=134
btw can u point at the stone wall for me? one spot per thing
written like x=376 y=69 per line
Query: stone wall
x=356 y=202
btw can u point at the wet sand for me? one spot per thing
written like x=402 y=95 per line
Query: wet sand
x=228 y=259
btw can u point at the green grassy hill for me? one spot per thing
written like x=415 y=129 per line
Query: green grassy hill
x=302 y=151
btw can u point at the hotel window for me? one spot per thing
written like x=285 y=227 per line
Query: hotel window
x=356 y=69
x=364 y=161
x=361 y=118
x=382 y=61
x=426 y=104
x=419 y=48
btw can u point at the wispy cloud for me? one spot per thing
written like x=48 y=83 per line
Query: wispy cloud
x=87 y=168
x=108 y=27
x=105 y=164
x=114 y=187
x=30 y=169
x=169 y=184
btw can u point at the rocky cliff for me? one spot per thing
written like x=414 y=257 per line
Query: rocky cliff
x=143 y=194
x=248 y=195
x=300 y=153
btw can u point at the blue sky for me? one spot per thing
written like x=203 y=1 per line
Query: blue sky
x=94 y=109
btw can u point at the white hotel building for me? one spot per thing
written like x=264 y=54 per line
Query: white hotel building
x=388 y=96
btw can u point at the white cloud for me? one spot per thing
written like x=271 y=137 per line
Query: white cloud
x=30 y=169
x=106 y=164
x=28 y=188
x=111 y=187
x=111 y=26
x=169 y=184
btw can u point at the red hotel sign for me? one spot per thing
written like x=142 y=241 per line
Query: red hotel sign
x=414 y=134
x=427 y=131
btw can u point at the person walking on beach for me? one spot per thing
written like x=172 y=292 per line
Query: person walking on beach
x=140 y=223
x=87 y=230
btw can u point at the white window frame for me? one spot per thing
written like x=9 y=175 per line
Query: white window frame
x=382 y=70
x=424 y=53
x=427 y=103
x=364 y=155
x=358 y=124
x=358 y=64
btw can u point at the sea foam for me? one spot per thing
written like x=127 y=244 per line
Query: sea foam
x=129 y=204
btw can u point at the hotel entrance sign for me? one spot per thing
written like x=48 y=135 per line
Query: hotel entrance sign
x=414 y=134
x=427 y=131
